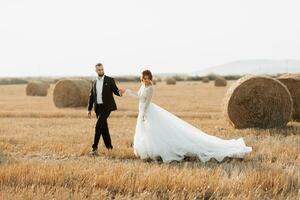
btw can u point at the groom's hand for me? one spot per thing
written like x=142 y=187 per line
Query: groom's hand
x=89 y=114
x=122 y=91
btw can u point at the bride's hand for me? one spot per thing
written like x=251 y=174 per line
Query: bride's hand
x=127 y=91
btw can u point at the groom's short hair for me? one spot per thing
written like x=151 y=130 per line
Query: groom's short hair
x=98 y=65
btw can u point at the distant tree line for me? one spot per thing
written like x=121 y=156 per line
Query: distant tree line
x=209 y=76
x=9 y=81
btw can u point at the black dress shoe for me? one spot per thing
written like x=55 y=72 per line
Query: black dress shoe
x=110 y=147
x=94 y=152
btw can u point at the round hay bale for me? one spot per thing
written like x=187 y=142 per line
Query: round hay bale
x=71 y=93
x=171 y=81
x=36 y=88
x=220 y=82
x=154 y=81
x=205 y=80
x=258 y=101
x=47 y=84
x=292 y=82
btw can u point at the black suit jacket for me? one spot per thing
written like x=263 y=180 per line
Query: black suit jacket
x=109 y=88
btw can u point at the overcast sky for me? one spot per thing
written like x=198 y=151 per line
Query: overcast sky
x=67 y=37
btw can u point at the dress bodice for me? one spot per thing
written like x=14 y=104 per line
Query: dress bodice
x=144 y=95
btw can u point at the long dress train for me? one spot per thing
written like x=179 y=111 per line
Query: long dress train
x=160 y=134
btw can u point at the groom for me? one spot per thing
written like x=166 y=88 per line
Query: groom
x=101 y=97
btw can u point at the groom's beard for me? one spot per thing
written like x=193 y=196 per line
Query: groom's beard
x=100 y=75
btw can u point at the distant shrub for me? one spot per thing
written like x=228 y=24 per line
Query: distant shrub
x=127 y=79
x=178 y=78
x=212 y=76
x=193 y=78
x=158 y=79
x=10 y=81
x=232 y=77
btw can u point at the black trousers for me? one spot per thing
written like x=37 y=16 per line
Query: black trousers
x=102 y=127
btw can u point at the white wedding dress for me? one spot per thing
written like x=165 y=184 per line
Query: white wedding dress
x=160 y=134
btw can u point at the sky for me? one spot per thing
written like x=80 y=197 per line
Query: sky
x=68 y=37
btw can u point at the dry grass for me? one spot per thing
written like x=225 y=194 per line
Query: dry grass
x=45 y=150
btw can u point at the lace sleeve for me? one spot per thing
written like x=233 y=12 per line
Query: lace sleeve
x=149 y=94
x=131 y=93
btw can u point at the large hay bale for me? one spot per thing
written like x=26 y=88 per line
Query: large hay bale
x=292 y=82
x=205 y=80
x=36 y=88
x=258 y=101
x=171 y=81
x=220 y=82
x=71 y=93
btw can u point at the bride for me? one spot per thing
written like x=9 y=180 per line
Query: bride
x=161 y=135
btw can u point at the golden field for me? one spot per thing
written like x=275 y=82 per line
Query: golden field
x=44 y=152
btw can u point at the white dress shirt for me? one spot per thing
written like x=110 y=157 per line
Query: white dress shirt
x=99 y=88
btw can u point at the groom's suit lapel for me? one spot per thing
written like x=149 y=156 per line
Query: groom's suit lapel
x=104 y=84
x=95 y=89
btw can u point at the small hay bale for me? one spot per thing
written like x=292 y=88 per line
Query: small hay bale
x=220 y=82
x=205 y=80
x=36 y=88
x=71 y=93
x=292 y=82
x=258 y=102
x=171 y=81
x=47 y=84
